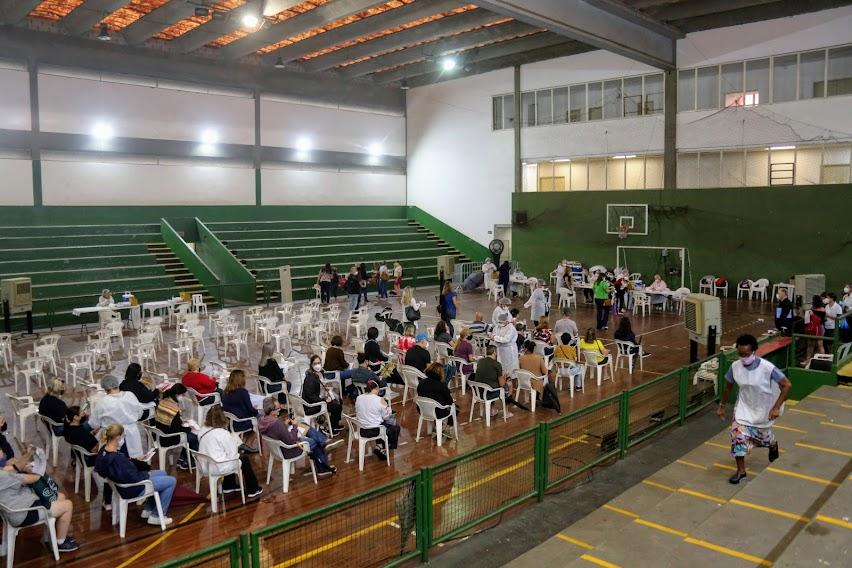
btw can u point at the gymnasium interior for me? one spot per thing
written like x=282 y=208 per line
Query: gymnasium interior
x=244 y=183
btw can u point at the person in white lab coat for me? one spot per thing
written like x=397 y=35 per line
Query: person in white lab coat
x=502 y=308
x=537 y=302
x=560 y=273
x=488 y=268
x=506 y=338
x=119 y=407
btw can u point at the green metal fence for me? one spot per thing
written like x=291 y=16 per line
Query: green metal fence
x=404 y=519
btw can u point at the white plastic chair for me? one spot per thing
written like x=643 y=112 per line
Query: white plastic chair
x=525 y=383
x=299 y=406
x=720 y=288
x=53 y=447
x=358 y=324
x=81 y=469
x=460 y=364
x=146 y=355
x=411 y=376
x=679 y=297
x=119 y=503
x=496 y=292
x=6 y=349
x=590 y=361
x=480 y=395
x=225 y=468
x=641 y=301
x=566 y=296
x=198 y=304
x=563 y=371
x=236 y=342
x=442 y=352
x=233 y=421
x=707 y=284
x=10 y=532
x=355 y=434
x=82 y=362
x=275 y=449
x=115 y=330
x=759 y=288
x=182 y=348
x=626 y=352
x=101 y=350
x=23 y=407
x=193 y=402
x=31 y=368
x=744 y=289
x=427 y=408
x=155 y=441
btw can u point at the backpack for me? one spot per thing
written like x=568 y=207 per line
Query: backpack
x=550 y=399
x=411 y=314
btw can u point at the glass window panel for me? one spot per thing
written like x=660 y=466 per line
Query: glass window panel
x=835 y=174
x=757 y=80
x=812 y=74
x=560 y=105
x=528 y=109
x=635 y=173
x=654 y=172
x=733 y=169
x=597 y=174
x=687 y=171
x=837 y=155
x=578 y=103
x=595 y=101
x=808 y=166
x=840 y=71
x=579 y=175
x=545 y=176
x=508 y=111
x=612 y=99
x=530 y=177
x=784 y=78
x=732 y=84
x=615 y=173
x=686 y=90
x=543 y=107
x=561 y=175
x=633 y=96
x=707 y=85
x=654 y=96
x=497 y=113
x=709 y=164
x=757 y=168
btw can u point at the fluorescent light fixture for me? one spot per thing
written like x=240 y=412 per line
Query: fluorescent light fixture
x=375 y=149
x=209 y=137
x=250 y=20
x=448 y=63
x=624 y=156
x=781 y=148
x=102 y=131
x=303 y=144
x=562 y=160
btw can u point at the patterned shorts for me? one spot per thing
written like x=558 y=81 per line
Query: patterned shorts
x=744 y=438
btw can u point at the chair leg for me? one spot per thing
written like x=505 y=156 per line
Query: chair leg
x=362 y=446
x=419 y=426
x=51 y=528
x=160 y=514
x=87 y=484
x=440 y=432
x=9 y=536
x=313 y=469
x=122 y=518
x=269 y=469
x=214 y=493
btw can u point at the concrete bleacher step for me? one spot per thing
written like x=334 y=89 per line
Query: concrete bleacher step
x=63 y=230
x=175 y=268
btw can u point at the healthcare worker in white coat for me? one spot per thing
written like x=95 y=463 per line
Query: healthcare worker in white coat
x=537 y=301
x=506 y=338
x=502 y=308
x=119 y=407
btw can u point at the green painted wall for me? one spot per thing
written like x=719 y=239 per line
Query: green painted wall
x=739 y=233
x=237 y=283
x=191 y=260
x=461 y=242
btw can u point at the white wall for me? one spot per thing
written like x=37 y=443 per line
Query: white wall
x=14 y=99
x=313 y=187
x=458 y=169
x=16 y=173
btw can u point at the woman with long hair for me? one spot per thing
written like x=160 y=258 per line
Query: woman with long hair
x=363 y=280
x=269 y=368
x=449 y=305
x=237 y=401
x=601 y=290
x=313 y=392
x=590 y=342
x=324 y=280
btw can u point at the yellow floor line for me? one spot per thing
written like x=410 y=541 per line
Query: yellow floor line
x=808 y=412
x=620 y=511
x=659 y=485
x=827 y=399
x=770 y=510
x=661 y=528
x=159 y=539
x=833 y=425
x=575 y=541
x=790 y=429
x=802 y=476
x=333 y=544
x=701 y=495
x=728 y=551
x=730 y=467
x=833 y=521
x=580 y=440
x=824 y=449
x=716 y=445
x=598 y=561
x=691 y=464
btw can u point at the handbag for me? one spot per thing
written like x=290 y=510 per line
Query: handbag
x=608 y=302
x=411 y=314
x=46 y=491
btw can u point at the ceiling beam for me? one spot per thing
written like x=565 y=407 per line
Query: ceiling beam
x=325 y=14
x=157 y=20
x=373 y=24
x=681 y=11
x=16 y=11
x=604 y=24
x=740 y=16
x=418 y=34
x=465 y=58
x=491 y=34
x=541 y=54
x=90 y=13
x=215 y=28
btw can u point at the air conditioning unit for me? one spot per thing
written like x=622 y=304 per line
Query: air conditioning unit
x=808 y=286
x=19 y=293
x=446 y=263
x=702 y=311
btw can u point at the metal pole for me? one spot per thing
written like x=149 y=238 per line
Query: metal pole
x=518 y=166
x=670 y=130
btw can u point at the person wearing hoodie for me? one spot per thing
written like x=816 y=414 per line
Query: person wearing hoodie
x=285 y=429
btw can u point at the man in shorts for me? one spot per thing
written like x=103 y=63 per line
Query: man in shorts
x=763 y=388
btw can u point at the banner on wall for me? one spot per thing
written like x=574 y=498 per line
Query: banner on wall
x=286 y=284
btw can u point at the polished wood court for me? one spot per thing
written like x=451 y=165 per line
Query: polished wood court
x=196 y=527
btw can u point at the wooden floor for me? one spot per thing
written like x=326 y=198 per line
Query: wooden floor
x=196 y=527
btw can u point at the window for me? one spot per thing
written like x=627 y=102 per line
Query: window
x=733 y=169
x=497 y=113
x=597 y=174
x=615 y=173
x=508 y=111
x=732 y=83
x=840 y=71
x=654 y=95
x=808 y=162
x=560 y=105
x=578 y=103
x=835 y=168
x=757 y=168
x=579 y=175
x=784 y=78
x=687 y=171
x=612 y=99
x=707 y=88
x=527 y=109
x=543 y=106
x=654 y=172
x=709 y=169
x=812 y=74
x=757 y=81
x=632 y=96
x=595 y=101
x=634 y=173
x=686 y=90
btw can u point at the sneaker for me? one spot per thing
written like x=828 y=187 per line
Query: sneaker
x=606 y=327
x=182 y=465
x=248 y=449
x=107 y=507
x=331 y=445
x=146 y=514
x=379 y=453
x=325 y=473
x=156 y=521
x=509 y=414
x=68 y=545
x=736 y=478
x=645 y=354
x=255 y=493
x=773 y=452
x=578 y=389
x=231 y=490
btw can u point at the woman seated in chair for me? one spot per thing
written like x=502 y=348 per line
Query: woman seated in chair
x=202 y=383
x=464 y=350
x=133 y=383
x=286 y=429
x=567 y=351
x=113 y=464
x=654 y=291
x=16 y=493
x=169 y=421
x=335 y=360
x=215 y=441
x=373 y=411
x=269 y=368
x=625 y=333
x=591 y=343
x=434 y=387
x=442 y=333
x=407 y=341
x=52 y=406
x=544 y=333
x=313 y=392
x=237 y=400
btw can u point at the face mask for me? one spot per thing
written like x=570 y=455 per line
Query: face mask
x=778 y=297
x=317 y=367
x=846 y=289
x=747 y=360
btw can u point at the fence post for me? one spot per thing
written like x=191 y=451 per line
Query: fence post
x=424 y=513
x=244 y=549
x=542 y=434
x=682 y=392
x=623 y=423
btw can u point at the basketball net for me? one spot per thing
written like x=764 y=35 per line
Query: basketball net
x=623 y=231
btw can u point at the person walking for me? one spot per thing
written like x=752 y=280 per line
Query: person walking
x=363 y=281
x=324 y=280
x=397 y=278
x=449 y=306
x=763 y=388
x=353 y=288
x=382 y=280
x=537 y=301
x=603 y=303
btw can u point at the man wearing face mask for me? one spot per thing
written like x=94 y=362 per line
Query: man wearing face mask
x=763 y=388
x=506 y=338
x=353 y=288
x=783 y=312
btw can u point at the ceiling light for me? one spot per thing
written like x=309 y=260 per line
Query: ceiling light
x=624 y=156
x=103 y=35
x=303 y=144
x=102 y=131
x=781 y=148
x=250 y=20
x=375 y=149
x=448 y=63
x=279 y=63
x=561 y=160
x=209 y=137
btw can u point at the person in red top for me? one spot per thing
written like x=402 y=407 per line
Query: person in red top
x=194 y=379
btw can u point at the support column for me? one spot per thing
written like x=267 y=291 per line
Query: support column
x=35 y=129
x=258 y=192
x=670 y=130
x=518 y=165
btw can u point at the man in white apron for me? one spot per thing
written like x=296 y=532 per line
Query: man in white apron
x=506 y=338
x=763 y=388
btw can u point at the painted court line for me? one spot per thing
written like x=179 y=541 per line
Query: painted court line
x=691 y=464
x=333 y=544
x=833 y=425
x=833 y=521
x=770 y=510
x=661 y=528
x=575 y=541
x=823 y=449
x=827 y=399
x=808 y=412
x=659 y=485
x=598 y=561
x=160 y=539
x=819 y=480
x=728 y=551
x=789 y=429
x=620 y=511
x=700 y=495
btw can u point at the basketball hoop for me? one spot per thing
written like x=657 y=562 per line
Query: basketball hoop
x=623 y=231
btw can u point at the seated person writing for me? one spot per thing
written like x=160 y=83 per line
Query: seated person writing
x=286 y=429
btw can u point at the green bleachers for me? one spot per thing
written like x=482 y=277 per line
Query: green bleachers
x=307 y=245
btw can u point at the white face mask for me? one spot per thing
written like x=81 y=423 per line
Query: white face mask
x=317 y=367
x=846 y=290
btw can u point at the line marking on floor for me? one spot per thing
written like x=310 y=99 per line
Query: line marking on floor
x=730 y=467
x=808 y=412
x=824 y=449
x=834 y=425
x=833 y=521
x=803 y=476
x=827 y=399
x=575 y=541
x=661 y=528
x=701 y=495
x=659 y=485
x=789 y=429
x=663 y=328
x=598 y=561
x=727 y=447
x=620 y=511
x=728 y=551
x=691 y=464
x=160 y=539
x=770 y=510
x=334 y=544
x=576 y=440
